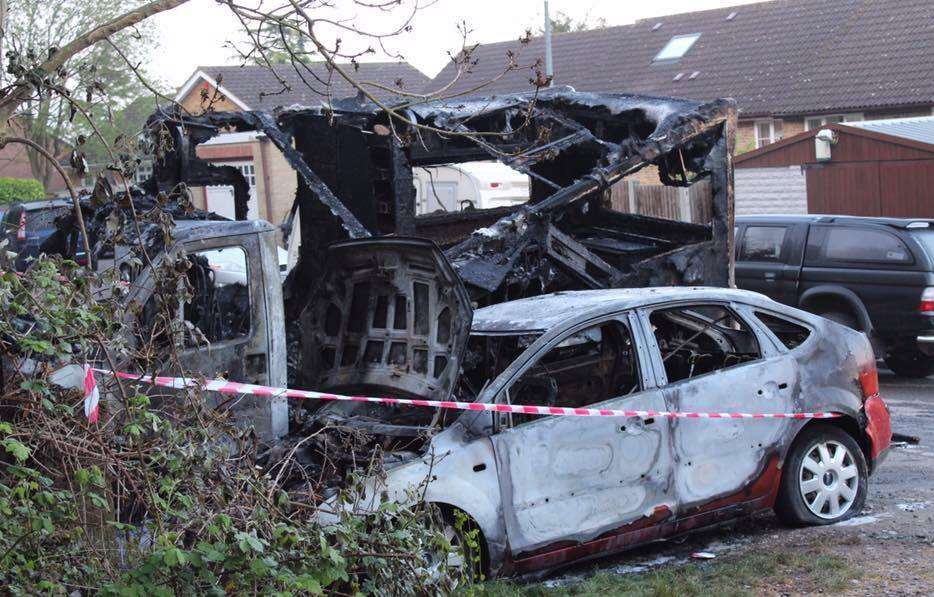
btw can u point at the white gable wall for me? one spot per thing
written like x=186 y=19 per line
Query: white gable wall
x=779 y=190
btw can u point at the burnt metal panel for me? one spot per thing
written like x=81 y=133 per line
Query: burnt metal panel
x=355 y=180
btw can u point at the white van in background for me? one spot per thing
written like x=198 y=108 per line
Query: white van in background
x=472 y=185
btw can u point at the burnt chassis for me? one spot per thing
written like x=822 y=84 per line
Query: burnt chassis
x=354 y=167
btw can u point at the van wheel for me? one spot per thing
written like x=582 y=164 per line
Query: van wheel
x=910 y=362
x=842 y=318
x=825 y=478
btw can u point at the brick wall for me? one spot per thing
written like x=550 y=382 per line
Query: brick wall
x=276 y=182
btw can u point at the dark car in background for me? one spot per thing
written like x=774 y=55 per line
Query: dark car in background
x=871 y=274
x=28 y=225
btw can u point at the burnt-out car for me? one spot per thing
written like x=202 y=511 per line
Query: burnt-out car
x=547 y=490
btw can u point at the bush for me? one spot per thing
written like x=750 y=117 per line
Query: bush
x=163 y=497
x=13 y=190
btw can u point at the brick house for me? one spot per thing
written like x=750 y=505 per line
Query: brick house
x=792 y=65
x=272 y=181
x=15 y=163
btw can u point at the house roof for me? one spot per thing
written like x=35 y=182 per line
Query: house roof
x=256 y=87
x=783 y=57
x=917 y=129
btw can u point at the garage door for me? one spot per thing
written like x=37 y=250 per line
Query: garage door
x=220 y=199
x=844 y=188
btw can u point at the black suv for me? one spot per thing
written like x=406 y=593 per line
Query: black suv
x=872 y=274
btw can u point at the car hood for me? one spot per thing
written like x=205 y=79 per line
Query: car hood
x=389 y=317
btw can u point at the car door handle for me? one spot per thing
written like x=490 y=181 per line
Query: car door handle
x=770 y=275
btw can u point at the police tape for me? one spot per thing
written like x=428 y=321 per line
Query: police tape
x=223 y=386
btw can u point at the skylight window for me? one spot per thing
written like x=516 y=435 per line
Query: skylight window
x=677 y=47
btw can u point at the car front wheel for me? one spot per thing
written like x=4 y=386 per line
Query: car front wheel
x=825 y=478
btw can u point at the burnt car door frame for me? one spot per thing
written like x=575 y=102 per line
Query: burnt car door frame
x=526 y=456
x=260 y=361
x=716 y=462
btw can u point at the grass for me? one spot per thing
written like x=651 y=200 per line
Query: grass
x=782 y=572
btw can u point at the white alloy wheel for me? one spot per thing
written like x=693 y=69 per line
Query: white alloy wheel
x=828 y=479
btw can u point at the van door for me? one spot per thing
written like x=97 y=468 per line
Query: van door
x=873 y=263
x=236 y=317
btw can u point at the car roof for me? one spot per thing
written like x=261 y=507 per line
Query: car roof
x=544 y=312
x=194 y=229
x=837 y=219
x=42 y=204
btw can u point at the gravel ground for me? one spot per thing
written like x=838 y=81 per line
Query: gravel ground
x=890 y=546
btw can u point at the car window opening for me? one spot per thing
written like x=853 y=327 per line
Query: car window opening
x=486 y=358
x=790 y=334
x=701 y=339
x=220 y=303
x=587 y=367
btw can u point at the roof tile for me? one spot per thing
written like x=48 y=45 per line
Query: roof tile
x=780 y=57
x=259 y=88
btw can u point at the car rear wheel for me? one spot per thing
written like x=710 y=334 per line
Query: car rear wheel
x=910 y=362
x=825 y=478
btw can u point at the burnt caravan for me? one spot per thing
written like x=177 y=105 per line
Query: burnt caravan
x=354 y=166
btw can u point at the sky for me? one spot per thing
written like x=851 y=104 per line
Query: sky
x=199 y=33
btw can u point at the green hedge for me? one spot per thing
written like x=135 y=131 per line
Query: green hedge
x=20 y=189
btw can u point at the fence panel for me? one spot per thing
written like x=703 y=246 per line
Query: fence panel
x=684 y=204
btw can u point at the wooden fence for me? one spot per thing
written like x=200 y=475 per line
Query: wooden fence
x=684 y=204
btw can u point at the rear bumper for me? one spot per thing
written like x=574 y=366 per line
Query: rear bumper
x=926 y=344
x=878 y=428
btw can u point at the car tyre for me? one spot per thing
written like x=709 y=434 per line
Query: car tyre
x=825 y=479
x=910 y=363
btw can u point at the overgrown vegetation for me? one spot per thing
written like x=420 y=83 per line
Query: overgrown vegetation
x=13 y=190
x=164 y=495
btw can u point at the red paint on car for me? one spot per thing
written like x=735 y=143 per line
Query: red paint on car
x=878 y=421
x=878 y=425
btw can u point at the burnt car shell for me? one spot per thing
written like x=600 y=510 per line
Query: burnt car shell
x=542 y=499
x=390 y=317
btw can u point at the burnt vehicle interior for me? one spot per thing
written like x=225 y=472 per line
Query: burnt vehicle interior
x=487 y=356
x=700 y=339
x=790 y=334
x=219 y=309
x=354 y=166
x=587 y=368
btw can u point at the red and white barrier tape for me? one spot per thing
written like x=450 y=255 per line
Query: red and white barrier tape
x=231 y=387
x=92 y=395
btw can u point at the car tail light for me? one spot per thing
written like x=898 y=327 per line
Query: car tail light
x=494 y=185
x=21 y=231
x=869 y=381
x=927 y=300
